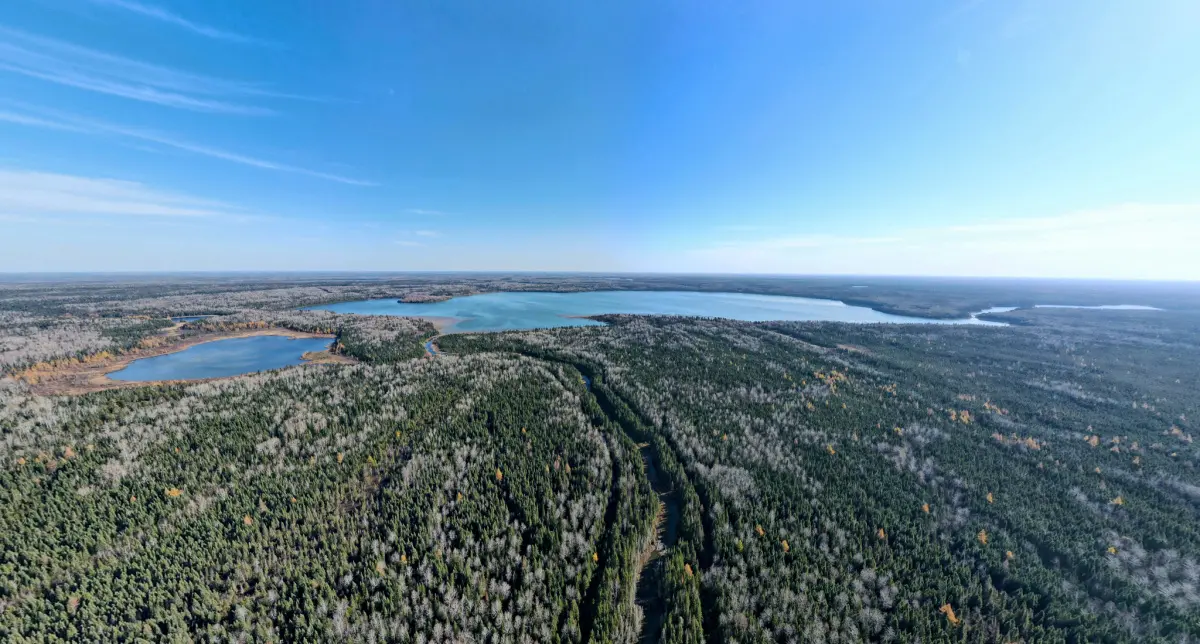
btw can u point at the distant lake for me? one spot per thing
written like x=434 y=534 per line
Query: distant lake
x=524 y=310
x=190 y=318
x=1102 y=307
x=222 y=358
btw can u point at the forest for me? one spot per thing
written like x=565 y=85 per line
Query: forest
x=657 y=479
x=875 y=482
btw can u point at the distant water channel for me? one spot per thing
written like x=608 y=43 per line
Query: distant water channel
x=189 y=318
x=222 y=358
x=517 y=310
x=1102 y=307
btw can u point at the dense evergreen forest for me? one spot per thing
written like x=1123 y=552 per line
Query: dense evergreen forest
x=658 y=479
x=907 y=483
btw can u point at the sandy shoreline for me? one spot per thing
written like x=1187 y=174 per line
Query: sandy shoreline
x=80 y=379
x=326 y=357
x=443 y=324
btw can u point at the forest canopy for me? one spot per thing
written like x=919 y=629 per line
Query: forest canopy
x=658 y=479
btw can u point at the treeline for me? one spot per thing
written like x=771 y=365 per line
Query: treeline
x=32 y=346
x=29 y=341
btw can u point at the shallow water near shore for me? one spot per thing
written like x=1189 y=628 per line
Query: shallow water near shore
x=222 y=358
x=510 y=311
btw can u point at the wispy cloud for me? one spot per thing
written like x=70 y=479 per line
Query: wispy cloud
x=162 y=15
x=408 y=242
x=1152 y=241
x=71 y=65
x=29 y=196
x=52 y=119
x=423 y=211
x=36 y=121
x=427 y=233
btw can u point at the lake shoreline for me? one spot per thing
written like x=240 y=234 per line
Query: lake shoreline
x=526 y=310
x=86 y=378
x=326 y=356
x=863 y=303
x=443 y=324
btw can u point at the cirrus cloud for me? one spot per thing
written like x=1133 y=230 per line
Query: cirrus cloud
x=162 y=15
x=52 y=119
x=27 y=195
x=71 y=65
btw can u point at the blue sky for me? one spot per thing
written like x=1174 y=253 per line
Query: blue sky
x=977 y=137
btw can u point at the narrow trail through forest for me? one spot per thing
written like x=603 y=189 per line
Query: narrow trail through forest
x=651 y=564
x=666 y=527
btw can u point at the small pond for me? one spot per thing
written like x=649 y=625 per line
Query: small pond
x=534 y=310
x=222 y=358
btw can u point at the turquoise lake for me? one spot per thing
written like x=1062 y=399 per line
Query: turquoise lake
x=515 y=310
x=222 y=358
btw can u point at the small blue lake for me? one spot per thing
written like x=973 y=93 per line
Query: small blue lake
x=516 y=310
x=222 y=358
x=189 y=318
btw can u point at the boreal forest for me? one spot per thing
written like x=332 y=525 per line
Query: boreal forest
x=654 y=479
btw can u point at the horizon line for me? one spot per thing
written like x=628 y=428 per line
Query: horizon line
x=885 y=276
